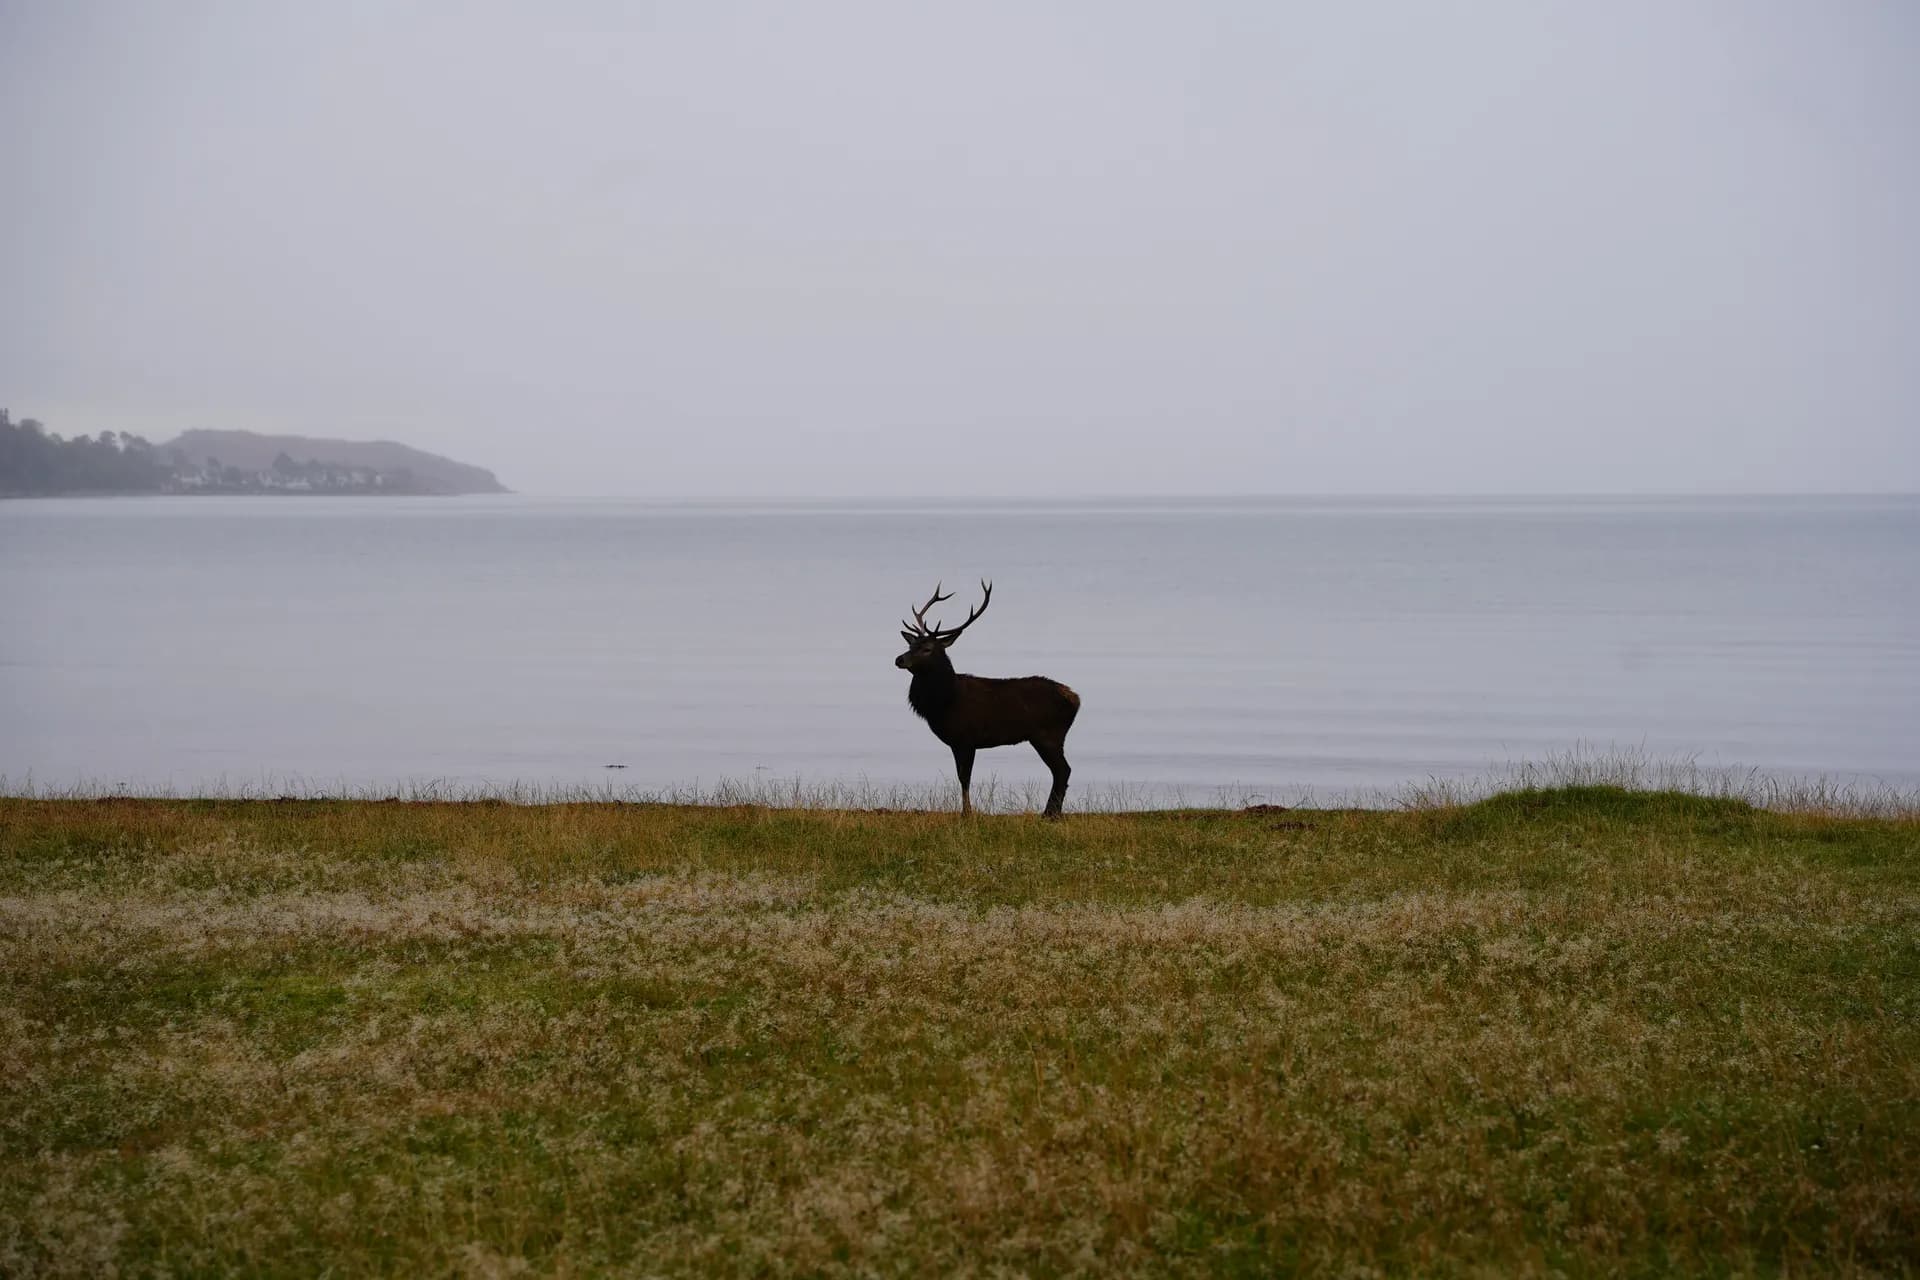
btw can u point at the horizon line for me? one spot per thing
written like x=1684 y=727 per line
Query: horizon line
x=1211 y=496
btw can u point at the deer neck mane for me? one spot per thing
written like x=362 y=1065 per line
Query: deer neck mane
x=933 y=688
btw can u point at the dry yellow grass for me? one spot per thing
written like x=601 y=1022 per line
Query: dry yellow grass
x=1577 y=1032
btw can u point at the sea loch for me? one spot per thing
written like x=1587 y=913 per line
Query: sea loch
x=1254 y=647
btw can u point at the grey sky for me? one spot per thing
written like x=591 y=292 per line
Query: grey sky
x=829 y=248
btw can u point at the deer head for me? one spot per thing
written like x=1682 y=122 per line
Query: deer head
x=926 y=643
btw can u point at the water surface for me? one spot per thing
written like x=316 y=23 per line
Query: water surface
x=1260 y=645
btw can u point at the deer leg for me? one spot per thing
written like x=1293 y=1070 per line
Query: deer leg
x=1055 y=757
x=963 y=765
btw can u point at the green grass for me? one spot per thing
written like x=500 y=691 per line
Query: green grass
x=1583 y=1031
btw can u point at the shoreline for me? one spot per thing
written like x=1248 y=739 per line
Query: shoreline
x=256 y=493
x=1845 y=796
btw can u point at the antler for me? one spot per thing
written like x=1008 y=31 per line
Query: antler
x=919 y=624
x=986 y=598
x=949 y=634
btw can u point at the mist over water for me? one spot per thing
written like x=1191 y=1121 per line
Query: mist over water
x=1265 y=645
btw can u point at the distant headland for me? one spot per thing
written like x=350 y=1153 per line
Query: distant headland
x=36 y=462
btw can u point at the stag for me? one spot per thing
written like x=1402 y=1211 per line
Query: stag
x=969 y=713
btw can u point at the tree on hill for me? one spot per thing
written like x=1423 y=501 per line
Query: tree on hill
x=35 y=461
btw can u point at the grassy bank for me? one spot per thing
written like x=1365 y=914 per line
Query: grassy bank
x=1582 y=1030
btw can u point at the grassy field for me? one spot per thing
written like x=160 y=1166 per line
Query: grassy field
x=1577 y=1031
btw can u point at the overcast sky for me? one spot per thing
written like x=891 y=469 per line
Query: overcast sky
x=712 y=248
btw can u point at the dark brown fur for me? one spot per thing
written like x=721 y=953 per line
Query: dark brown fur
x=971 y=713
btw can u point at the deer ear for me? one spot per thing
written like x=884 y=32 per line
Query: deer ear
x=946 y=642
x=910 y=638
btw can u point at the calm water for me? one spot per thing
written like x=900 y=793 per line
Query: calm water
x=1265 y=645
